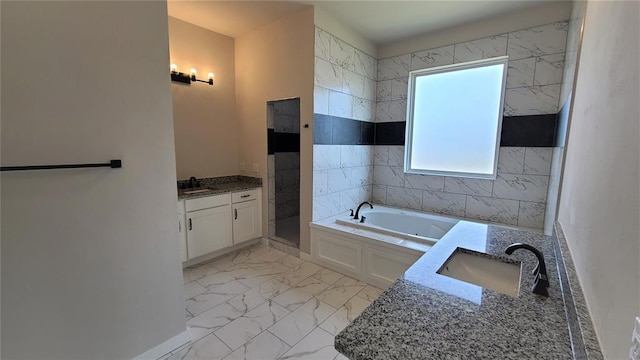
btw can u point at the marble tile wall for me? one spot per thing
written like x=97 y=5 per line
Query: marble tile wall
x=342 y=178
x=536 y=58
x=519 y=194
x=517 y=197
x=345 y=86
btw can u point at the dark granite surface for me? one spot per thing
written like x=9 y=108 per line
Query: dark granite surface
x=218 y=185
x=425 y=315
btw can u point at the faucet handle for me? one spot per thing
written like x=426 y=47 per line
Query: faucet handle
x=351 y=212
x=362 y=219
x=536 y=270
x=540 y=285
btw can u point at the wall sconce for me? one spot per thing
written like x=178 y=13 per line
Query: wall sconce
x=187 y=79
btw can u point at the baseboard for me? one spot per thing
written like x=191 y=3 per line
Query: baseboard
x=305 y=256
x=166 y=347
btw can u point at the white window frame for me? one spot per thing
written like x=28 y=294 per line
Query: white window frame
x=410 y=108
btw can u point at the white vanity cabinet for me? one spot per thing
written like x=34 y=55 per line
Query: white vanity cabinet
x=182 y=232
x=247 y=222
x=213 y=225
x=208 y=222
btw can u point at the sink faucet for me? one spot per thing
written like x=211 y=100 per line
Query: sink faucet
x=193 y=181
x=540 y=272
x=358 y=211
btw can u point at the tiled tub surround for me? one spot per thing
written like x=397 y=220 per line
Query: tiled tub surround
x=516 y=197
x=344 y=104
x=519 y=194
x=425 y=315
x=220 y=185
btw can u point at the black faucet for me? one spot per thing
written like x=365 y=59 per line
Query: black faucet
x=355 y=217
x=540 y=271
x=193 y=181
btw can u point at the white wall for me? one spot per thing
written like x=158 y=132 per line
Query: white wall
x=275 y=62
x=204 y=116
x=90 y=261
x=599 y=205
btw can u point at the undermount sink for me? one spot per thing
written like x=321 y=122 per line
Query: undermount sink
x=498 y=274
x=196 y=191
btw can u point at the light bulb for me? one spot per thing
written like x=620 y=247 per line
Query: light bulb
x=193 y=72
x=174 y=68
x=210 y=76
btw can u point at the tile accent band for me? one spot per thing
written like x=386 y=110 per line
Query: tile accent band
x=522 y=131
x=282 y=142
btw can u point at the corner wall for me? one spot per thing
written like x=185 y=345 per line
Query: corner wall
x=344 y=110
x=90 y=257
x=600 y=202
x=282 y=50
x=204 y=116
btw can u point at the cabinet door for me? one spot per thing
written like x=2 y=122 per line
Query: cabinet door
x=208 y=230
x=246 y=225
x=182 y=232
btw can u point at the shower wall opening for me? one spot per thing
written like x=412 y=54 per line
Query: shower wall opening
x=283 y=131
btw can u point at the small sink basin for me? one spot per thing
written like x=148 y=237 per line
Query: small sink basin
x=491 y=272
x=196 y=191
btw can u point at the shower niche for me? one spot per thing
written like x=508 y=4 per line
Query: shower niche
x=283 y=132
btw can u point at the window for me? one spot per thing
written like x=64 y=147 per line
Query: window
x=454 y=119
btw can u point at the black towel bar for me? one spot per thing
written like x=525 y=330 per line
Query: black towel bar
x=112 y=164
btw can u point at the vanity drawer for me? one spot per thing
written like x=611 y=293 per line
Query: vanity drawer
x=247 y=195
x=207 y=202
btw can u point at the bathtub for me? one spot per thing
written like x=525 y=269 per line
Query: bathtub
x=382 y=248
x=407 y=224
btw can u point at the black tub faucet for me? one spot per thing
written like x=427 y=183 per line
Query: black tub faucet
x=540 y=272
x=358 y=210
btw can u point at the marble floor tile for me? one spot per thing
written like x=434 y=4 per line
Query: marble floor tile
x=290 y=261
x=341 y=291
x=370 y=293
x=315 y=346
x=344 y=315
x=247 y=301
x=328 y=276
x=302 y=321
x=208 y=348
x=212 y=320
x=244 y=328
x=312 y=285
x=190 y=274
x=192 y=289
x=215 y=295
x=262 y=274
x=293 y=298
x=265 y=346
x=224 y=276
x=298 y=273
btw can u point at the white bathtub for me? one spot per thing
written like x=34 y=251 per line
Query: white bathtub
x=407 y=224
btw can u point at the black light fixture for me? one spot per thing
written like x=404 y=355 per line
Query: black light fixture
x=187 y=79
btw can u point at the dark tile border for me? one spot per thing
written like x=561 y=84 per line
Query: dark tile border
x=282 y=142
x=334 y=130
x=529 y=130
x=390 y=133
x=524 y=131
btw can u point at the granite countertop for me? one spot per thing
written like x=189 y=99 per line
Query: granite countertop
x=218 y=185
x=425 y=315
